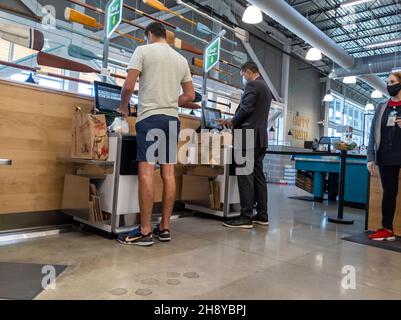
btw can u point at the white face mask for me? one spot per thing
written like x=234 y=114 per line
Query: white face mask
x=244 y=81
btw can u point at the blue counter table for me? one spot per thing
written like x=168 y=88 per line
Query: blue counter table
x=356 y=179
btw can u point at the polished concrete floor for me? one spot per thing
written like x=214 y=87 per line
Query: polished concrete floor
x=299 y=256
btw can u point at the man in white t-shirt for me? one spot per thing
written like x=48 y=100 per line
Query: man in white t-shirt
x=162 y=73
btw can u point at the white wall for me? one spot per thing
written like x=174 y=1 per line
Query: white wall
x=305 y=99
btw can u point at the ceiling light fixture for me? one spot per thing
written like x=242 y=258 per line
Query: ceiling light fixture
x=350 y=3
x=328 y=97
x=349 y=80
x=314 y=54
x=252 y=15
x=376 y=94
x=369 y=107
x=383 y=43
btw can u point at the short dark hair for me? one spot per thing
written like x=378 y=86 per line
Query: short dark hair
x=250 y=66
x=157 y=29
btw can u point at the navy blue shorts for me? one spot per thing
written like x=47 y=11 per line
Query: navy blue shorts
x=157 y=138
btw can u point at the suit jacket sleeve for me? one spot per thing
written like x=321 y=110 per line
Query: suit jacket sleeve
x=247 y=104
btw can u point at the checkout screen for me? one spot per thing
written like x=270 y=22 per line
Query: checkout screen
x=211 y=117
x=108 y=98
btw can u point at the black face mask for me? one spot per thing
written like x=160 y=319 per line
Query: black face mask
x=394 y=89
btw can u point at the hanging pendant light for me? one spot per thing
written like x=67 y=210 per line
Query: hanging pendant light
x=252 y=15
x=272 y=129
x=290 y=133
x=314 y=54
x=369 y=107
x=328 y=97
x=349 y=80
x=376 y=94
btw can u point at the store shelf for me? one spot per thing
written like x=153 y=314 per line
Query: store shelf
x=217 y=213
x=87 y=162
x=99 y=225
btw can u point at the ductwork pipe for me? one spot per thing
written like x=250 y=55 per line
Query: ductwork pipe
x=369 y=65
x=291 y=19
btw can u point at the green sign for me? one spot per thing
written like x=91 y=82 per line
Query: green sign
x=212 y=54
x=114 y=16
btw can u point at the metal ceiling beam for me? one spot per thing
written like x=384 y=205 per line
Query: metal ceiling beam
x=290 y=18
x=126 y=28
x=365 y=30
x=359 y=21
x=34 y=6
x=371 y=36
x=335 y=26
x=300 y=4
x=336 y=7
x=350 y=14
x=369 y=65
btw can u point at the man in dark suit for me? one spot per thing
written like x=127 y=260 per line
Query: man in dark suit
x=252 y=114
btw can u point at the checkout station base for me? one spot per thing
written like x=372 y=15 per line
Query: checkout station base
x=116 y=184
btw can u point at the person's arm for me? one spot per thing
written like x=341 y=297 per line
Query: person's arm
x=128 y=90
x=188 y=91
x=134 y=70
x=371 y=146
x=247 y=104
x=188 y=94
x=372 y=136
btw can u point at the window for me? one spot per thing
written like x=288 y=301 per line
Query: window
x=120 y=72
x=4 y=50
x=84 y=88
x=335 y=111
x=369 y=119
x=351 y=114
x=20 y=53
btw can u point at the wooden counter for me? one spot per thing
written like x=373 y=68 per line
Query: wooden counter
x=35 y=130
x=375 y=213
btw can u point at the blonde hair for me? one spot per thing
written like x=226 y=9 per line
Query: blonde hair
x=397 y=75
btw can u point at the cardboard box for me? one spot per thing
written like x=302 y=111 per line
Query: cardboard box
x=195 y=189
x=179 y=172
x=202 y=191
x=205 y=170
x=93 y=171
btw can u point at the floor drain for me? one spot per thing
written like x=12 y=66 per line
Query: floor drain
x=143 y=292
x=191 y=275
x=173 y=282
x=119 y=291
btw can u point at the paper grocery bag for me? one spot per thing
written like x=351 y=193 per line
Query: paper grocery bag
x=89 y=136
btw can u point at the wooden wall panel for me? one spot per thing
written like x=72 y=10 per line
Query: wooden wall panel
x=375 y=213
x=35 y=129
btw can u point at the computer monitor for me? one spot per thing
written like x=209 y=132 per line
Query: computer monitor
x=308 y=144
x=107 y=97
x=210 y=116
x=326 y=140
